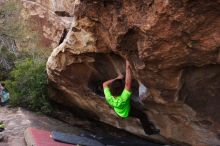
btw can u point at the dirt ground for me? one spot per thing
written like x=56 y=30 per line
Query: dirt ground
x=16 y=120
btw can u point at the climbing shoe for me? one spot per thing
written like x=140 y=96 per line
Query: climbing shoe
x=152 y=132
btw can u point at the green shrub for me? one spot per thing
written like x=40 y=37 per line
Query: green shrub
x=27 y=81
x=28 y=85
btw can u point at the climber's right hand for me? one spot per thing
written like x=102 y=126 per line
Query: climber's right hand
x=120 y=76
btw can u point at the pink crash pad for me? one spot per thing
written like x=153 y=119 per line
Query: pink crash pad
x=37 y=137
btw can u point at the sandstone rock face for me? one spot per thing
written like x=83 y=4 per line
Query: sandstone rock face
x=173 y=47
x=44 y=22
x=62 y=7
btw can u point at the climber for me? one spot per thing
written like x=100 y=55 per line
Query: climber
x=4 y=95
x=118 y=93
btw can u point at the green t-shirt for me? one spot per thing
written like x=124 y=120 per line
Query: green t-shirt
x=121 y=104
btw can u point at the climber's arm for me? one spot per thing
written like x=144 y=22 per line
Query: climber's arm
x=128 y=76
x=107 y=83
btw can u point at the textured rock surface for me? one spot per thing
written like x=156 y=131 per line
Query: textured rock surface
x=62 y=7
x=173 y=47
x=42 y=19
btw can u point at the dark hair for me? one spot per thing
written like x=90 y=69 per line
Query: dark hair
x=117 y=87
x=3 y=84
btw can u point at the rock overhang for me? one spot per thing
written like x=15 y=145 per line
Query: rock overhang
x=161 y=39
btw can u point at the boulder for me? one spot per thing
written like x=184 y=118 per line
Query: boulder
x=173 y=47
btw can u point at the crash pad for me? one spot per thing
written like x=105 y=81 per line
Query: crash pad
x=38 y=137
x=111 y=141
x=74 y=139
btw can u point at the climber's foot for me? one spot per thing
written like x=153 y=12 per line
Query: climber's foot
x=154 y=132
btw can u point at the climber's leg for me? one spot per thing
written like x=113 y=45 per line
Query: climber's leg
x=147 y=125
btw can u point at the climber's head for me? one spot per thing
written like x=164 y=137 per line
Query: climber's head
x=117 y=87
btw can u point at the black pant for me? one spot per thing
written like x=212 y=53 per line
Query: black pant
x=136 y=111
